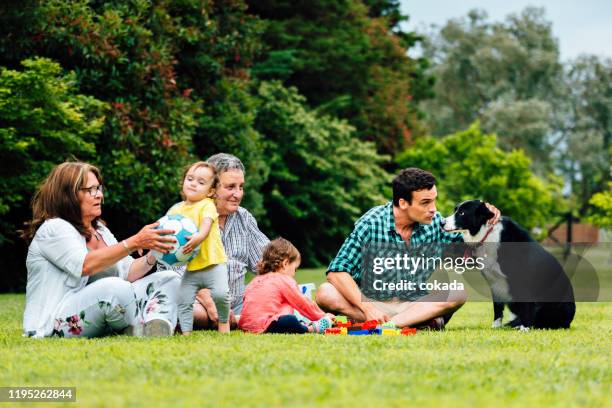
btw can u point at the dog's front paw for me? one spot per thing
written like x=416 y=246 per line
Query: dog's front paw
x=523 y=328
x=497 y=323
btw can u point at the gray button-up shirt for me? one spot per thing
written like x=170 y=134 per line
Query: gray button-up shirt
x=244 y=243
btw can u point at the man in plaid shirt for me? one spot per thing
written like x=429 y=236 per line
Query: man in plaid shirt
x=410 y=219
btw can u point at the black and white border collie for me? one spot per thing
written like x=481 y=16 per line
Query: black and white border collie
x=525 y=277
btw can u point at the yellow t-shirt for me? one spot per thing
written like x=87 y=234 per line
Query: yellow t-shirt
x=211 y=249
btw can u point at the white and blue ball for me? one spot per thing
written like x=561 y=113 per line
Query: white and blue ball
x=183 y=227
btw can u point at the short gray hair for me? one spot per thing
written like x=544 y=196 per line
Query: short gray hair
x=224 y=162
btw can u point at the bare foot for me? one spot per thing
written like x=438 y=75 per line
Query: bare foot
x=224 y=327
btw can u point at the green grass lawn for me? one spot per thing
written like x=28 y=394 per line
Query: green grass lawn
x=467 y=365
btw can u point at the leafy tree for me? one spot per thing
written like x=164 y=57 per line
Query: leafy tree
x=601 y=214
x=44 y=120
x=585 y=156
x=349 y=60
x=172 y=73
x=506 y=74
x=469 y=165
x=213 y=60
x=321 y=177
x=121 y=54
x=166 y=70
x=228 y=126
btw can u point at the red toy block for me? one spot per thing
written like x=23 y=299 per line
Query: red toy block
x=370 y=324
x=333 y=330
x=407 y=331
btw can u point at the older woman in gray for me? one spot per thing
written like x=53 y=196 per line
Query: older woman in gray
x=242 y=239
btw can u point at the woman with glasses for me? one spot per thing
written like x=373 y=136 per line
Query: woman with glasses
x=69 y=245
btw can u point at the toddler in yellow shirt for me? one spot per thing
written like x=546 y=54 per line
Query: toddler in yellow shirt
x=208 y=269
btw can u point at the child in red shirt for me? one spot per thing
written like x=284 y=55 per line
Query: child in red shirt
x=271 y=298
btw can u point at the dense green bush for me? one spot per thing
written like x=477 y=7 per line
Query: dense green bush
x=44 y=121
x=469 y=165
x=174 y=75
x=601 y=213
x=227 y=125
x=321 y=177
x=349 y=59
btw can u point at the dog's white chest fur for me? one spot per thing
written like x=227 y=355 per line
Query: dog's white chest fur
x=488 y=254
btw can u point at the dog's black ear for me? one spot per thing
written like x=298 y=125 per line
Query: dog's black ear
x=483 y=211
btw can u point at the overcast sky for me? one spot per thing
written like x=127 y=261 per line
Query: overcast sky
x=580 y=26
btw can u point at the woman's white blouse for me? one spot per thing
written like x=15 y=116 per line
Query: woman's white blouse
x=55 y=265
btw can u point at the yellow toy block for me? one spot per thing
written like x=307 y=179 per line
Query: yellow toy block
x=390 y=332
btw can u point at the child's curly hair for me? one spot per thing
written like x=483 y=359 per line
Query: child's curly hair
x=275 y=253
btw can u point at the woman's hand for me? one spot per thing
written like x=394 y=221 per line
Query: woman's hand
x=151 y=238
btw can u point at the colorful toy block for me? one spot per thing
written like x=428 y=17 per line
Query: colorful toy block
x=388 y=325
x=344 y=326
x=407 y=331
x=336 y=330
x=370 y=324
x=333 y=330
x=359 y=333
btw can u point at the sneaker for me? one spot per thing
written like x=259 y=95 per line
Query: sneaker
x=302 y=319
x=157 y=328
x=435 y=324
x=322 y=324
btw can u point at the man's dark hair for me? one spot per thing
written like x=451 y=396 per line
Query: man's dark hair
x=409 y=180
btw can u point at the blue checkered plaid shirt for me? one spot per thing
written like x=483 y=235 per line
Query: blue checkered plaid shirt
x=377 y=227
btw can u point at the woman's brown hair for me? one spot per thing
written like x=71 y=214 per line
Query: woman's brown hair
x=275 y=253
x=58 y=197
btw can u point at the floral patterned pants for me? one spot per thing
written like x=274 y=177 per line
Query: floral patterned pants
x=112 y=304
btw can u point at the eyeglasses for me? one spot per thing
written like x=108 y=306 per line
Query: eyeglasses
x=93 y=190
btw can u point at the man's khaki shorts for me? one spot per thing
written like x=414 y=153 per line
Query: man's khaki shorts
x=394 y=307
